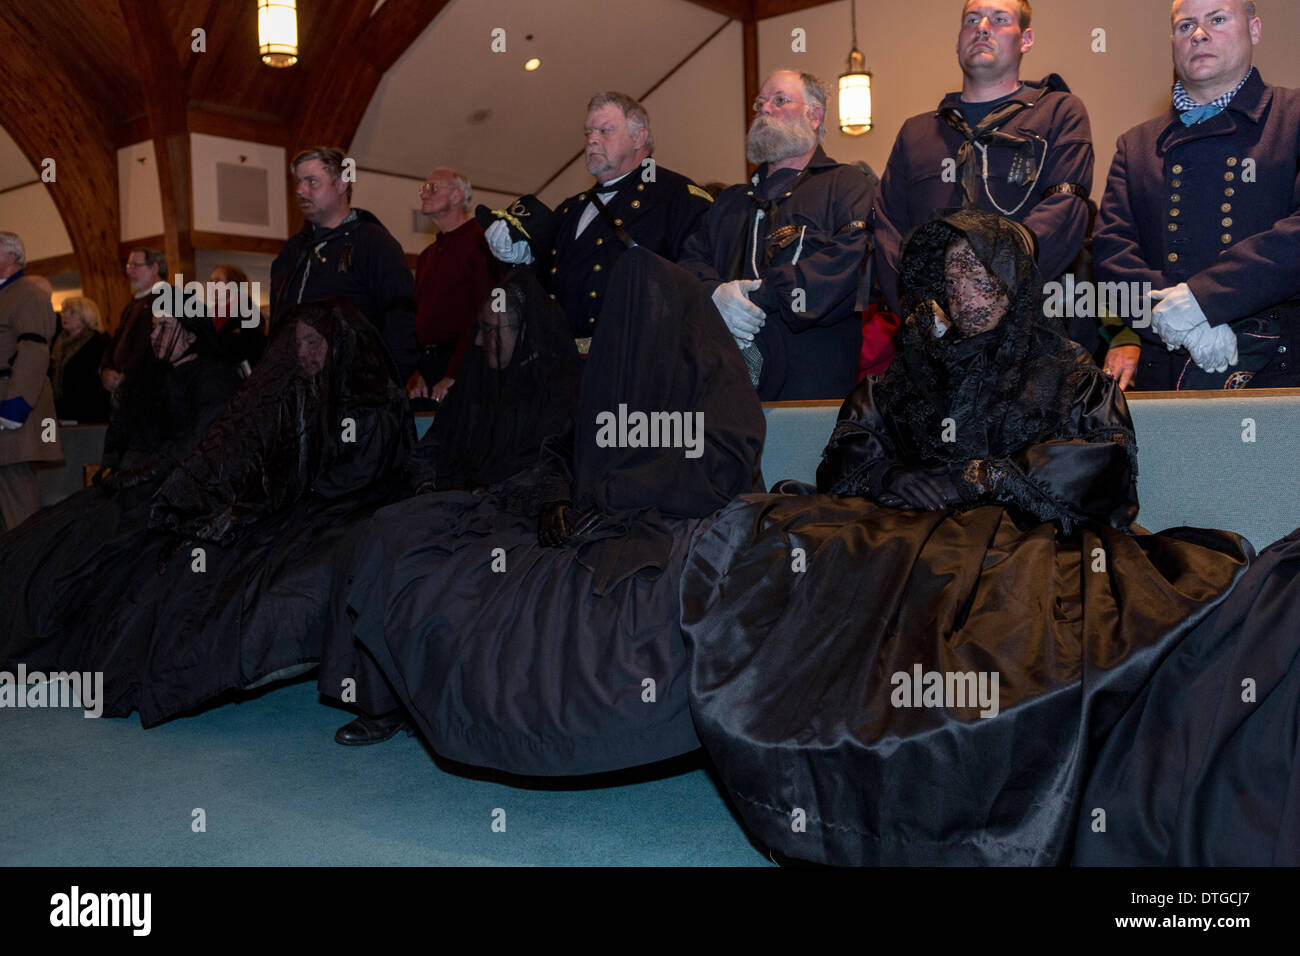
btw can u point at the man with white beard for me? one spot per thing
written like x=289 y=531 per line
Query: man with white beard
x=782 y=254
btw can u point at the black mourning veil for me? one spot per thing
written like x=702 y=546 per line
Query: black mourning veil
x=323 y=398
x=517 y=385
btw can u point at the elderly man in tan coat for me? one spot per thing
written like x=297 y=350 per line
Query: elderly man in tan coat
x=28 y=427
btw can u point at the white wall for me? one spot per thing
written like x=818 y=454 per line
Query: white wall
x=206 y=152
x=30 y=212
x=138 y=192
x=696 y=118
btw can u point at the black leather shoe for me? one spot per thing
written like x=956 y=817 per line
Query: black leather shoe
x=373 y=730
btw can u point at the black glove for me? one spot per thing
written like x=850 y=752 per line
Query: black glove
x=552 y=531
x=931 y=489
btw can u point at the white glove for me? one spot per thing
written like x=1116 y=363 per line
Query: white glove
x=9 y=426
x=1212 y=347
x=743 y=317
x=1176 y=315
x=498 y=240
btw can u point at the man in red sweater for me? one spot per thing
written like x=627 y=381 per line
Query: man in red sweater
x=452 y=278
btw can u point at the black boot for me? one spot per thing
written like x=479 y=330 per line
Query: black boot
x=373 y=730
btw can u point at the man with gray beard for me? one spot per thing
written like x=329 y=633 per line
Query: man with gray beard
x=782 y=254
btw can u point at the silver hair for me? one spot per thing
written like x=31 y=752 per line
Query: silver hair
x=11 y=242
x=462 y=183
x=635 y=114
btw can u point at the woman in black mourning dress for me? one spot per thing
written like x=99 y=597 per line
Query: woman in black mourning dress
x=916 y=665
x=517 y=385
x=223 y=582
x=48 y=564
x=551 y=645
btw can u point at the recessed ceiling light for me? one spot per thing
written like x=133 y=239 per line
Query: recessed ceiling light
x=532 y=63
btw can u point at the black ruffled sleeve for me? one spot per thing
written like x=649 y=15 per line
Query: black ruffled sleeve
x=861 y=451
x=1088 y=477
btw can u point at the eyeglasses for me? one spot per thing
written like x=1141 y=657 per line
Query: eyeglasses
x=135 y=265
x=779 y=101
x=429 y=189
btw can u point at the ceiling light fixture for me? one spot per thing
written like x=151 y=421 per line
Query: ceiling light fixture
x=855 y=87
x=277 y=32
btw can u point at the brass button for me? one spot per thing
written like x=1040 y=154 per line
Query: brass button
x=618 y=222
x=1225 y=238
x=565 y=209
x=552 y=252
x=1226 y=207
x=1176 y=197
x=552 y=270
x=1226 y=222
x=636 y=204
x=1178 y=168
x=1232 y=160
x=1229 y=176
x=591 y=294
x=640 y=187
x=581 y=196
x=1230 y=192
x=1176 y=183
x=599 y=241
x=1174 y=212
x=1173 y=257
x=591 y=320
x=596 y=267
x=552 y=296
x=1173 y=227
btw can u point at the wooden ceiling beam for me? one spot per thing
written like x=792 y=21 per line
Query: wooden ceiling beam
x=764 y=9
x=736 y=9
x=162 y=81
x=48 y=116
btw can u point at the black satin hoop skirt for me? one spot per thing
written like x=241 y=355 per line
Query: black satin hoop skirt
x=837 y=652
x=512 y=656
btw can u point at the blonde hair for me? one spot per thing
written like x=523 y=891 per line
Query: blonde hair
x=87 y=309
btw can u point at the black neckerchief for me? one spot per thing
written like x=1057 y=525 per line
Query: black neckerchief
x=1024 y=167
x=776 y=238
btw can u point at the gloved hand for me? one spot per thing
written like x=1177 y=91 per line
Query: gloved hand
x=743 y=318
x=14 y=412
x=551 y=530
x=113 y=480
x=513 y=252
x=1212 y=347
x=1176 y=315
x=932 y=489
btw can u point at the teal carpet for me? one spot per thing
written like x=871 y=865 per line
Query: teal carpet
x=276 y=790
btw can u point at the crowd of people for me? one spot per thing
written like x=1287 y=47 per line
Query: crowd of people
x=533 y=589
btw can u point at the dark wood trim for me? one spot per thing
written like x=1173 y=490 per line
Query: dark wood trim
x=735 y=9
x=658 y=83
x=230 y=242
x=53 y=265
x=144 y=242
x=48 y=115
x=160 y=74
x=764 y=9
x=10 y=189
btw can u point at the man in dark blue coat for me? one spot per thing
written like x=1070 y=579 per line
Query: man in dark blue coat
x=644 y=204
x=783 y=253
x=1203 y=203
x=348 y=252
x=1017 y=148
